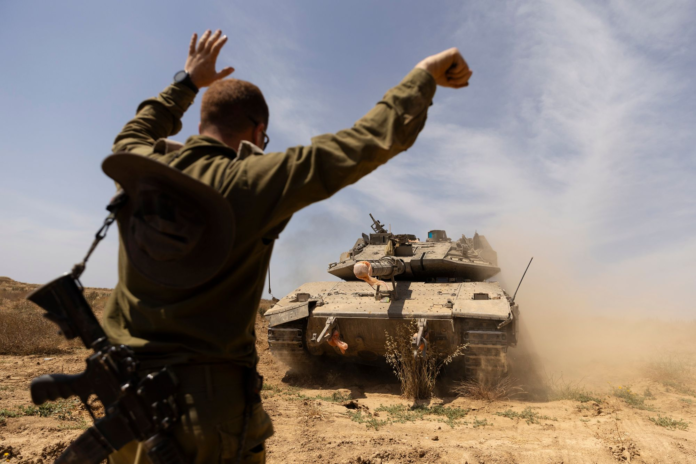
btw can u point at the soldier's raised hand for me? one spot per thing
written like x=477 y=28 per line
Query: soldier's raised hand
x=202 y=57
x=448 y=68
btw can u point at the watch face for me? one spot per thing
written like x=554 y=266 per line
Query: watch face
x=180 y=76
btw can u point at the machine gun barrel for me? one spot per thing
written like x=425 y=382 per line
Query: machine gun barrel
x=377 y=226
x=387 y=267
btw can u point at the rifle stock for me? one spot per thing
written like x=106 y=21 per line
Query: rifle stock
x=65 y=305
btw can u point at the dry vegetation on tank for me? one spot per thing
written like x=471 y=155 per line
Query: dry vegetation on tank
x=416 y=368
x=599 y=406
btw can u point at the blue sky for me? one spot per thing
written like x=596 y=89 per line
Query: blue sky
x=574 y=142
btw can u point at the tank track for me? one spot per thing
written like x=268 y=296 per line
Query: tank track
x=287 y=344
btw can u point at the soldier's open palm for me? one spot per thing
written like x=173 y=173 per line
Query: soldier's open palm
x=202 y=57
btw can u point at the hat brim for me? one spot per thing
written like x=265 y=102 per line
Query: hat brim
x=209 y=254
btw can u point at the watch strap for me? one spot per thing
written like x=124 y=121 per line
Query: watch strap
x=184 y=78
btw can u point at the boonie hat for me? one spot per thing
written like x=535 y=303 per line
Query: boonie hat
x=177 y=231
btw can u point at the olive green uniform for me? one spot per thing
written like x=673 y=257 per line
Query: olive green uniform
x=209 y=331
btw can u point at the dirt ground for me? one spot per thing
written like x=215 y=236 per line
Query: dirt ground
x=619 y=393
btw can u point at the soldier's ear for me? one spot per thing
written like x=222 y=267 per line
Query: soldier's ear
x=258 y=134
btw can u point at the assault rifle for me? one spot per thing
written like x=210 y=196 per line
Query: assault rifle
x=137 y=407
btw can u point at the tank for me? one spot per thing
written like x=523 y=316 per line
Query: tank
x=442 y=284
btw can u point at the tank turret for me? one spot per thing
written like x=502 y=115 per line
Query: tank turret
x=438 y=259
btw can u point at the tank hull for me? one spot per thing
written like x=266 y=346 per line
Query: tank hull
x=478 y=314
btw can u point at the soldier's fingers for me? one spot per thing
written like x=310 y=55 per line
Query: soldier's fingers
x=457 y=74
x=224 y=73
x=218 y=45
x=467 y=77
x=203 y=41
x=212 y=40
x=459 y=86
x=192 y=44
x=458 y=67
x=459 y=81
x=456 y=58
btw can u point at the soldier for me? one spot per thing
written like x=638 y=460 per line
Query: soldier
x=205 y=334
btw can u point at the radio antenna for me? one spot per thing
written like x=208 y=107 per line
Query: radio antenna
x=525 y=273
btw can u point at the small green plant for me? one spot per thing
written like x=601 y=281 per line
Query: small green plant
x=451 y=415
x=291 y=393
x=369 y=421
x=587 y=397
x=296 y=396
x=336 y=397
x=6 y=414
x=510 y=414
x=648 y=394
x=669 y=423
x=61 y=410
x=480 y=423
x=401 y=414
x=79 y=424
x=269 y=390
x=529 y=416
x=632 y=399
x=686 y=400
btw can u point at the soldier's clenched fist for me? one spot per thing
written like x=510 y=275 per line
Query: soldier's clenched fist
x=448 y=68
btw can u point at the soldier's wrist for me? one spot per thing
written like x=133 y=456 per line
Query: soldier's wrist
x=184 y=78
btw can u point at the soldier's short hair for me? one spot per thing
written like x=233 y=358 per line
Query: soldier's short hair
x=233 y=106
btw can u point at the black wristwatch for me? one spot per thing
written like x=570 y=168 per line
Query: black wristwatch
x=184 y=78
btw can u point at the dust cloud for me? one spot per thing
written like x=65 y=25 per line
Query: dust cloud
x=591 y=327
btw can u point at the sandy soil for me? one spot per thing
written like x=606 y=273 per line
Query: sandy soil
x=352 y=415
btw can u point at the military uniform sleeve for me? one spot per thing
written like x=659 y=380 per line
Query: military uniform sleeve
x=283 y=183
x=155 y=118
